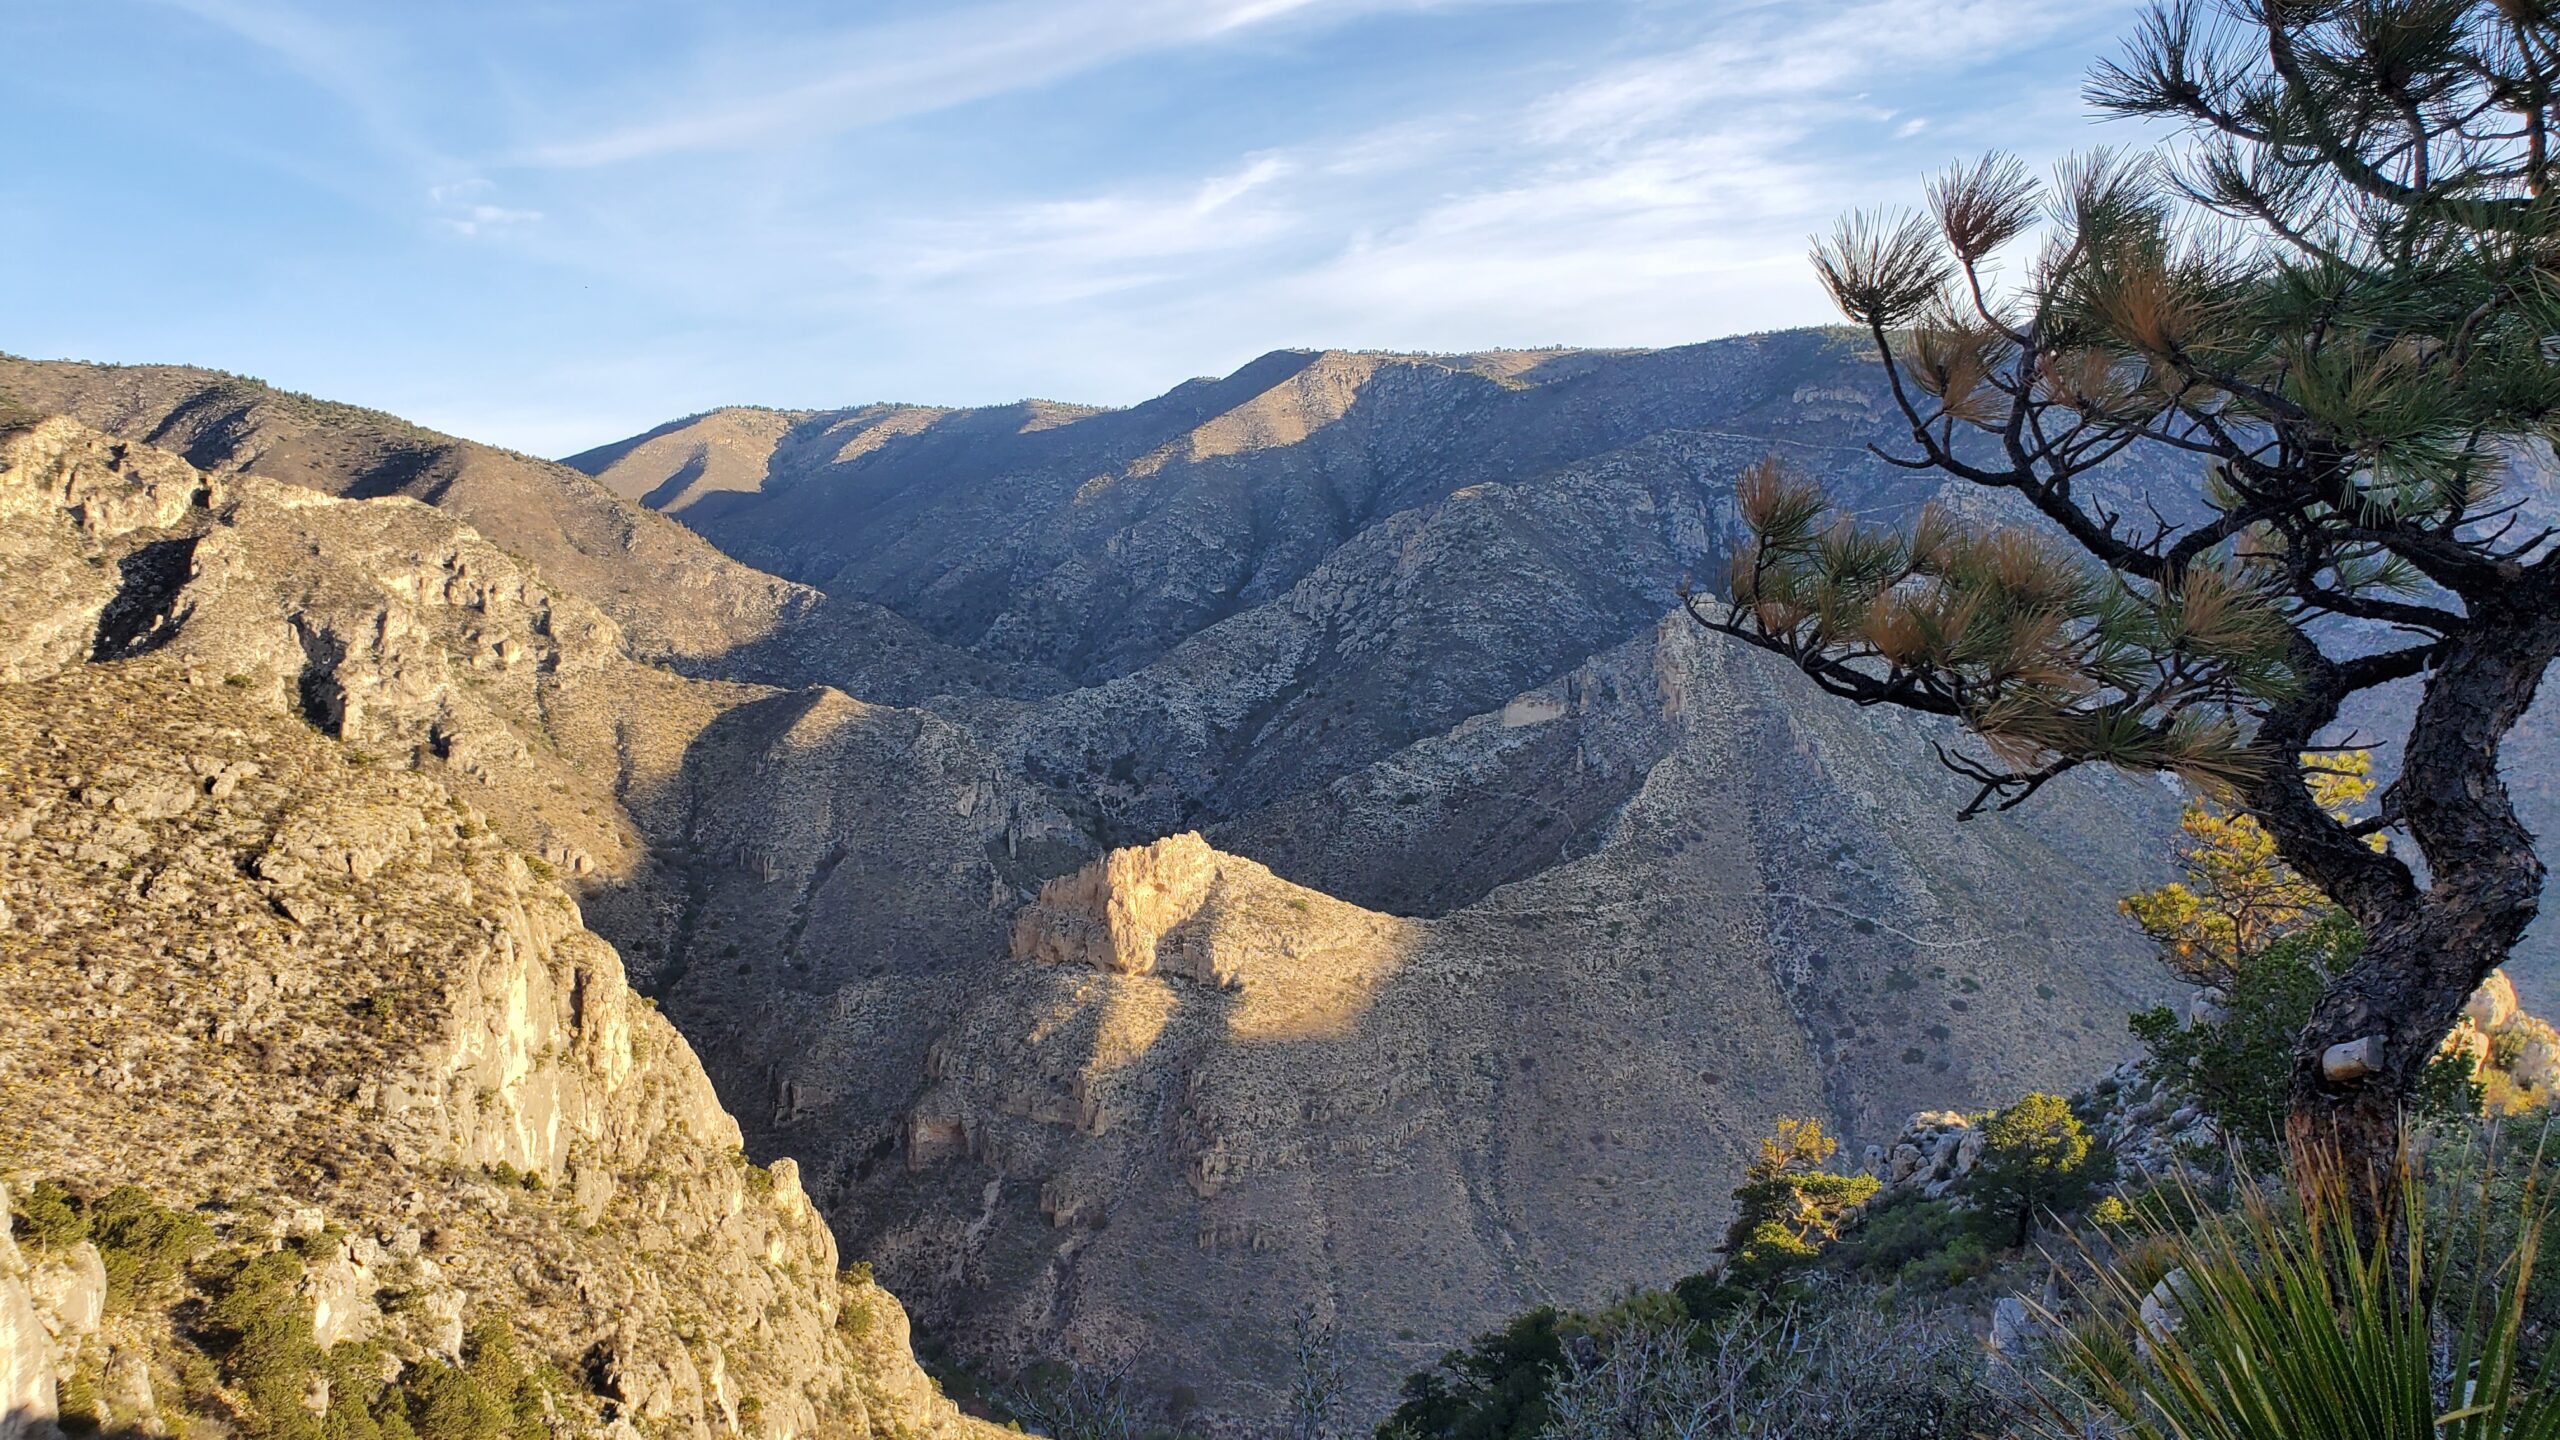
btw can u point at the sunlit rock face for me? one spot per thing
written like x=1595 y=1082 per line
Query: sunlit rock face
x=259 y=959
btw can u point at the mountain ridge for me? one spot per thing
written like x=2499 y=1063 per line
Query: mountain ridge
x=1399 y=639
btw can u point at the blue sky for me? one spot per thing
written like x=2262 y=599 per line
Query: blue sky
x=549 y=223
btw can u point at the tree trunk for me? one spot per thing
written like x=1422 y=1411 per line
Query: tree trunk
x=2391 y=1011
x=2359 y=1061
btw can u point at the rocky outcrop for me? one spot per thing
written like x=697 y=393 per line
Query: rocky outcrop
x=29 y=1386
x=259 y=958
x=2516 y=1053
x=1113 y=915
x=330 y=996
x=676 y=597
x=681 y=808
x=66 y=495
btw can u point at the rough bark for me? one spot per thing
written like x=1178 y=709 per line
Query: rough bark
x=2427 y=947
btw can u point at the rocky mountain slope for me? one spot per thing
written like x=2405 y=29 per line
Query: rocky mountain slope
x=1518 y=908
x=1200 y=1095
x=321 y=1105
x=1268 y=582
x=676 y=599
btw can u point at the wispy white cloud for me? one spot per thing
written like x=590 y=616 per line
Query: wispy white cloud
x=1796 y=55
x=1665 y=197
x=464 y=208
x=1066 y=251
x=328 y=53
x=872 y=74
x=696 y=213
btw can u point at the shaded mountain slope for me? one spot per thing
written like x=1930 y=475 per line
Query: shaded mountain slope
x=1270 y=581
x=1201 y=1098
x=1090 y=543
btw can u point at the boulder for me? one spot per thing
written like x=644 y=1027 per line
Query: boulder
x=28 y=1401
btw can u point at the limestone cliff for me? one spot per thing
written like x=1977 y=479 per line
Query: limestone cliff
x=291 y=992
x=264 y=977
x=741 y=844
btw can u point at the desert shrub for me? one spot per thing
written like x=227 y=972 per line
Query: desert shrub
x=76 y=1402
x=1078 y=1402
x=1825 y=1365
x=2236 y=1068
x=1789 y=1206
x=261 y=1328
x=508 y=1175
x=1920 y=1245
x=446 y=1402
x=1495 y=1389
x=1895 y=1235
x=49 y=1217
x=2036 y=1159
x=145 y=1245
x=362 y=1404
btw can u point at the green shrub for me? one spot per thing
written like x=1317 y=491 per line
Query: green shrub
x=489 y=1353
x=1920 y=1244
x=509 y=1175
x=261 y=1327
x=853 y=1314
x=49 y=1217
x=2036 y=1158
x=77 y=1402
x=362 y=1405
x=145 y=1245
x=1788 y=1206
x=447 y=1403
x=1495 y=1389
x=2238 y=1068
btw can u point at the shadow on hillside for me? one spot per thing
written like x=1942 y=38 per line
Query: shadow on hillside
x=25 y=1424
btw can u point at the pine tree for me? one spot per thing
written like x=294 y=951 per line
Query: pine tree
x=2338 y=295
x=2238 y=897
x=2035 y=1159
x=1789 y=1204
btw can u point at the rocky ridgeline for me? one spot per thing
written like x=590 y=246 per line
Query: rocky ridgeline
x=1193 y=1095
x=315 y=1004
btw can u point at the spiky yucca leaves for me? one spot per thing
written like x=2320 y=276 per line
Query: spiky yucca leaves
x=2279 y=1323
x=2339 y=295
x=2053 y=663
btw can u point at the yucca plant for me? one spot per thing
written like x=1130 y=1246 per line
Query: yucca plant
x=2277 y=1322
